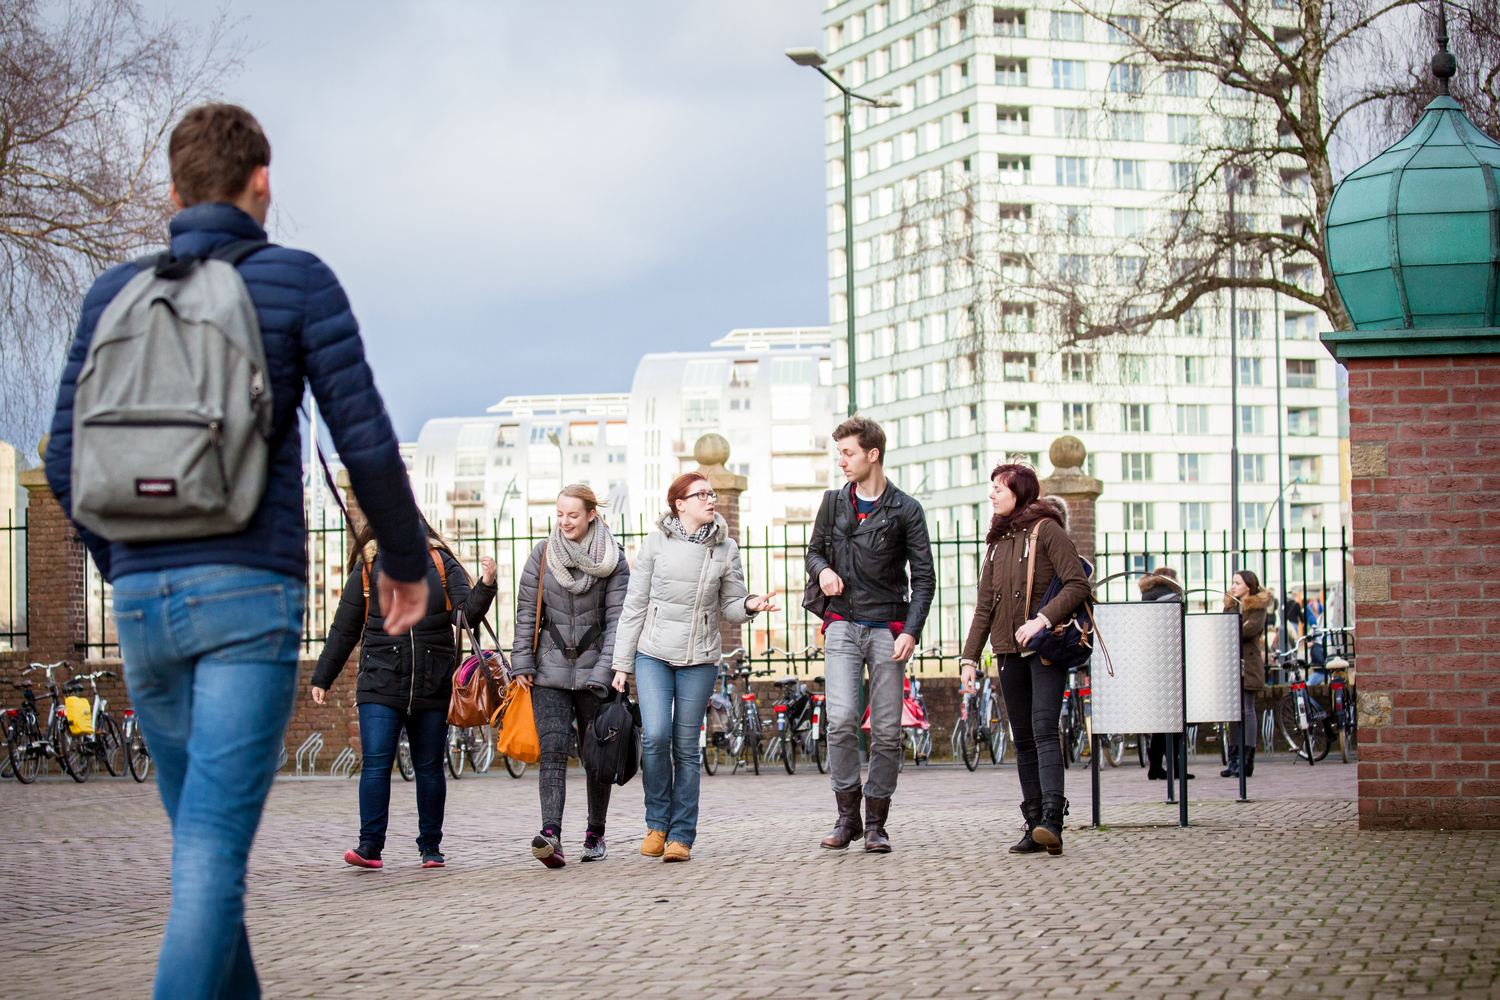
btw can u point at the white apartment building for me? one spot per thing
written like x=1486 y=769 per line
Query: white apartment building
x=1022 y=118
x=509 y=465
x=768 y=392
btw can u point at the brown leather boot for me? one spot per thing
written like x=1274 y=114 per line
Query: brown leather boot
x=876 y=810
x=847 y=826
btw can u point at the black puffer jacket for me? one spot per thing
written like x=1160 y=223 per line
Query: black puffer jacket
x=871 y=557
x=386 y=674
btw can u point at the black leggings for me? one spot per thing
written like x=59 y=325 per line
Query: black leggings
x=555 y=710
x=1033 y=695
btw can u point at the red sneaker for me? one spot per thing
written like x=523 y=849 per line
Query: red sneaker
x=364 y=856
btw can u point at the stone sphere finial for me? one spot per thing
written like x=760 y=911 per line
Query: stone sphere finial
x=711 y=449
x=41 y=446
x=1067 y=452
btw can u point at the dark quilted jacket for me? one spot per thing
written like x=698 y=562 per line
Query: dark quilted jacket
x=309 y=333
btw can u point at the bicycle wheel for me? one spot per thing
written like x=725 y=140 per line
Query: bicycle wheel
x=73 y=754
x=515 y=768
x=1114 y=749
x=755 y=753
x=711 y=758
x=481 y=748
x=21 y=747
x=820 y=755
x=137 y=757
x=403 y=758
x=1141 y=740
x=108 y=745
x=1065 y=738
x=455 y=754
x=789 y=752
x=999 y=741
x=967 y=741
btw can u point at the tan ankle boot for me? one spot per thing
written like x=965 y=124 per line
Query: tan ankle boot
x=652 y=846
x=677 y=852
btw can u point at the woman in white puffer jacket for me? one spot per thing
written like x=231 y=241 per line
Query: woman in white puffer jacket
x=685 y=580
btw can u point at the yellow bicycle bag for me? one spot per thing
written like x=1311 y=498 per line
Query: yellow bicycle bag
x=80 y=718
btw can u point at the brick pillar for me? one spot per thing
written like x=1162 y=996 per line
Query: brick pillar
x=356 y=516
x=711 y=452
x=1079 y=490
x=1424 y=439
x=55 y=574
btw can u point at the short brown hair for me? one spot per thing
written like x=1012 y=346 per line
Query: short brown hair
x=679 y=489
x=213 y=151
x=871 y=437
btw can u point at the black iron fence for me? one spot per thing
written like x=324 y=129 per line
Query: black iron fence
x=13 y=584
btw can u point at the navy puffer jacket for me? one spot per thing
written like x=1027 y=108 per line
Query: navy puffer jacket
x=309 y=333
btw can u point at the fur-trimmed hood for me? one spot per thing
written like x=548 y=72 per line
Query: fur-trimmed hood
x=1154 y=581
x=1055 y=508
x=1251 y=602
x=371 y=548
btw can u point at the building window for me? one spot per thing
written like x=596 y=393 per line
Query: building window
x=1305 y=515
x=1252 y=468
x=1194 y=516
x=1067 y=74
x=1247 y=323
x=1010 y=23
x=1181 y=83
x=1135 y=467
x=1130 y=174
x=469 y=465
x=794 y=371
x=1072 y=171
x=1302 y=422
x=1189 y=468
x=1130 y=222
x=1013 y=121
x=1129 y=270
x=1301 y=326
x=1124 y=30
x=1125 y=78
x=1015 y=169
x=1073 y=220
x=1140 y=517
x=1067 y=26
x=1020 y=418
x=1192 y=370
x=1253 y=516
x=1135 y=418
x=1250 y=371
x=1127 y=126
x=1018 y=367
x=1010 y=72
x=1182 y=129
x=1252 y=420
x=1078 y=417
x=1192 y=419
x=1306 y=468
x=1071 y=123
x=700 y=411
x=1190 y=323
x=1135 y=369
x=1078 y=367
x=703 y=374
x=1301 y=374
x=1073 y=267
x=1017 y=317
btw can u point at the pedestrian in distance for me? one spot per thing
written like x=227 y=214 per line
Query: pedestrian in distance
x=1159 y=585
x=866 y=535
x=209 y=558
x=1008 y=615
x=1252 y=601
x=404 y=683
x=687 y=578
x=577 y=580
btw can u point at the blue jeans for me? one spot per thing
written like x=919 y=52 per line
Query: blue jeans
x=379 y=732
x=211 y=666
x=673 y=700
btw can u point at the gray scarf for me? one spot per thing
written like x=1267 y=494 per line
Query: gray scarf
x=700 y=536
x=595 y=557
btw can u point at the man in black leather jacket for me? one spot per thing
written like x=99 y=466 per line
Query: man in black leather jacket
x=866 y=534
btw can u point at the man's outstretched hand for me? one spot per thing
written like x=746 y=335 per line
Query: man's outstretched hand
x=403 y=604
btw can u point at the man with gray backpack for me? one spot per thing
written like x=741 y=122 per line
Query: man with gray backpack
x=176 y=450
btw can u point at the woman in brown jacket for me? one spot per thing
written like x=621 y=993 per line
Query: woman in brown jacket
x=1251 y=599
x=1033 y=690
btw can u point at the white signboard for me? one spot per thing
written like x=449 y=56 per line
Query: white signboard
x=1212 y=646
x=1143 y=643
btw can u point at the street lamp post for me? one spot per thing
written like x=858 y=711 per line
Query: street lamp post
x=816 y=59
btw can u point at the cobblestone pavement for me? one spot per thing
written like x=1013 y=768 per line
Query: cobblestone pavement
x=1282 y=896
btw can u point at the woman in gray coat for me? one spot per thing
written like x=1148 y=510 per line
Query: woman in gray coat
x=687 y=579
x=565 y=658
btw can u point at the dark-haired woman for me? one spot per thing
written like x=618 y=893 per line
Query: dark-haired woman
x=404 y=682
x=687 y=578
x=581 y=575
x=1009 y=616
x=1251 y=600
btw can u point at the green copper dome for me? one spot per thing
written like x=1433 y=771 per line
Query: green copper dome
x=1413 y=236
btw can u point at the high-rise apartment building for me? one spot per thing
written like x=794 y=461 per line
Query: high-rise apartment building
x=1035 y=167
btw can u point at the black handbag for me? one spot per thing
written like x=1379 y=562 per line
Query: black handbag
x=1067 y=644
x=612 y=743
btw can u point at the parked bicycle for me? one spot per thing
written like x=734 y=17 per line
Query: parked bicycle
x=723 y=730
x=1302 y=718
x=472 y=744
x=403 y=757
x=1073 y=726
x=916 y=729
x=105 y=744
x=795 y=717
x=1309 y=728
x=980 y=725
x=138 y=758
x=28 y=745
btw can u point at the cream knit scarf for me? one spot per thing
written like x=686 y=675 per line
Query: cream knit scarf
x=595 y=557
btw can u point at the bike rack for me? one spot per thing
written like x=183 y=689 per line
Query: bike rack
x=309 y=749
x=343 y=764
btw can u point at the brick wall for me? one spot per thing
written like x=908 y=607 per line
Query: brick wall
x=1424 y=439
x=54 y=576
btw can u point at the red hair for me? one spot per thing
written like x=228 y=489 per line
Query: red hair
x=679 y=489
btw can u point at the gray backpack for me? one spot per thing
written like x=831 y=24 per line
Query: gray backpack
x=172 y=411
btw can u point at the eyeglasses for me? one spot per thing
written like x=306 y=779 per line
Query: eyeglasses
x=704 y=495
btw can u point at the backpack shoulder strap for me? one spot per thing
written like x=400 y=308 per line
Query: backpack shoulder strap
x=437 y=560
x=364 y=579
x=1031 y=565
x=236 y=251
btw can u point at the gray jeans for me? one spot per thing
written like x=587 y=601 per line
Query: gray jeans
x=847 y=650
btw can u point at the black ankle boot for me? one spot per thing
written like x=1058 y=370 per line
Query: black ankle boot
x=1249 y=762
x=1233 y=770
x=1048 y=833
x=876 y=811
x=847 y=827
x=1031 y=811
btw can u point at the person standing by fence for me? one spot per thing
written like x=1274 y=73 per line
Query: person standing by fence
x=1252 y=601
x=1027 y=528
x=865 y=535
x=210 y=624
x=401 y=685
x=687 y=578
x=567 y=609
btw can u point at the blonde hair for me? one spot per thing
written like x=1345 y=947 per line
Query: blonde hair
x=579 y=491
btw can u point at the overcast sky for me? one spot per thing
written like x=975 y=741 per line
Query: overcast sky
x=525 y=197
